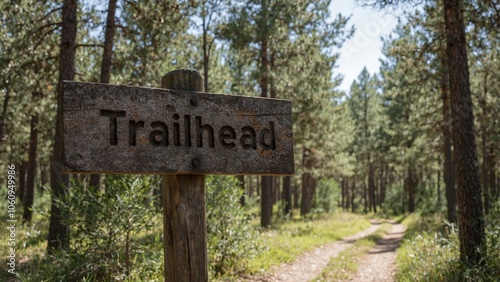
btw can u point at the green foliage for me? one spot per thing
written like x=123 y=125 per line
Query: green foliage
x=105 y=228
x=393 y=205
x=326 y=196
x=429 y=257
x=430 y=252
x=232 y=240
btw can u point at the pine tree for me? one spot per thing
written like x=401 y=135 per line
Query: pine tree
x=58 y=231
x=293 y=45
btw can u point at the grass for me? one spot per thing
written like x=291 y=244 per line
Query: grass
x=283 y=243
x=344 y=265
x=287 y=241
x=430 y=251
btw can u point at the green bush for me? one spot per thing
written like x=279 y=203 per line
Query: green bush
x=325 y=197
x=104 y=227
x=434 y=255
x=231 y=237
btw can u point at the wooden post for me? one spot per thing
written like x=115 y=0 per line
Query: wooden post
x=184 y=218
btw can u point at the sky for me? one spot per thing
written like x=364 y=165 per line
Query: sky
x=364 y=49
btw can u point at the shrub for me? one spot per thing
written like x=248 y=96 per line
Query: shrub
x=104 y=227
x=325 y=197
x=434 y=255
x=231 y=237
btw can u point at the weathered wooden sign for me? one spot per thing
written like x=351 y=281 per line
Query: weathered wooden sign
x=124 y=129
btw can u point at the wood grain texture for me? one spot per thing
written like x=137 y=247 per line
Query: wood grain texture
x=185 y=229
x=142 y=115
x=184 y=208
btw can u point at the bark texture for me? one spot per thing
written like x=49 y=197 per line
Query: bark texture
x=58 y=231
x=470 y=208
x=107 y=56
x=31 y=170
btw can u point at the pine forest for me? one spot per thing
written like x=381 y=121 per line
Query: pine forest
x=405 y=163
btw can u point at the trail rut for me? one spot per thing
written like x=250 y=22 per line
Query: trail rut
x=310 y=264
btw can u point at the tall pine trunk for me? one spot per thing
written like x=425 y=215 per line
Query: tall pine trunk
x=295 y=195
x=353 y=193
x=371 y=186
x=343 y=191
x=107 y=55
x=3 y=118
x=449 y=178
x=365 y=194
x=308 y=184
x=287 y=194
x=58 y=231
x=22 y=181
x=241 y=180
x=266 y=203
x=485 y=171
x=31 y=169
x=491 y=156
x=411 y=182
x=267 y=181
x=470 y=207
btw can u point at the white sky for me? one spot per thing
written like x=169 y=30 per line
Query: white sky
x=365 y=47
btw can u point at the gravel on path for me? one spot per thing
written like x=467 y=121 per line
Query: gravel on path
x=310 y=264
x=380 y=263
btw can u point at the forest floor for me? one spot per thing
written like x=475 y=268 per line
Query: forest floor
x=379 y=264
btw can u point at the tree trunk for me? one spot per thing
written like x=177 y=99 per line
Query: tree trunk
x=5 y=106
x=365 y=194
x=381 y=196
x=287 y=194
x=22 y=181
x=347 y=195
x=44 y=176
x=371 y=187
x=353 y=193
x=438 y=185
x=484 y=146
x=31 y=169
x=266 y=204
x=449 y=177
x=267 y=181
x=411 y=189
x=470 y=210
x=307 y=193
x=484 y=165
x=58 y=231
x=295 y=195
x=206 y=45
x=241 y=180
x=342 y=193
x=107 y=56
x=250 y=186
x=491 y=156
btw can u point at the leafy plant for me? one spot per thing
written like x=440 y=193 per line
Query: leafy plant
x=326 y=195
x=231 y=237
x=430 y=253
x=105 y=225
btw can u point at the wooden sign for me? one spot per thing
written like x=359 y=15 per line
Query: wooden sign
x=124 y=129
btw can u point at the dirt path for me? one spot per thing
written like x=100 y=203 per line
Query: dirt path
x=309 y=265
x=380 y=263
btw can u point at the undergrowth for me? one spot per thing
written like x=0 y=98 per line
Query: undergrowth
x=430 y=251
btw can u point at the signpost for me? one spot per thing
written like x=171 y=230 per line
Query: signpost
x=183 y=134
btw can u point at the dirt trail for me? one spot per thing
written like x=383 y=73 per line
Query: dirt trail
x=380 y=263
x=309 y=265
